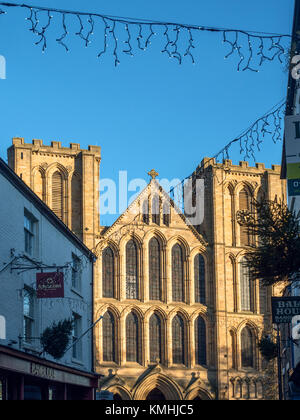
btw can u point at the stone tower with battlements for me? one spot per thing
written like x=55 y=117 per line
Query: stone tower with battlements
x=66 y=179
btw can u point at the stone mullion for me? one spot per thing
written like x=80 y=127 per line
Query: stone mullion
x=191 y=282
x=168 y=347
x=123 y=340
x=186 y=280
x=163 y=264
x=145 y=274
x=122 y=277
x=190 y=345
x=146 y=347
x=69 y=202
x=168 y=276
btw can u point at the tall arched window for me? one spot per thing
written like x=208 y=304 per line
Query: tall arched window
x=108 y=335
x=108 y=273
x=155 y=210
x=177 y=274
x=155 y=336
x=178 y=340
x=246 y=287
x=57 y=194
x=76 y=197
x=131 y=270
x=244 y=204
x=39 y=184
x=199 y=278
x=166 y=214
x=145 y=210
x=154 y=270
x=200 y=341
x=247 y=355
x=132 y=338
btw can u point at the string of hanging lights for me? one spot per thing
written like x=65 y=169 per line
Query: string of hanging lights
x=127 y=35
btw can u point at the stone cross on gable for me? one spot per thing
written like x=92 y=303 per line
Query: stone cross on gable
x=153 y=174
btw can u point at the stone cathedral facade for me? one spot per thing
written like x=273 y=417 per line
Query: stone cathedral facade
x=181 y=319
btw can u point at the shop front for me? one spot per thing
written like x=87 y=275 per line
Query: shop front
x=26 y=377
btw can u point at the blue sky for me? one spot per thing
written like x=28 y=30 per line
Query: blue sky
x=149 y=112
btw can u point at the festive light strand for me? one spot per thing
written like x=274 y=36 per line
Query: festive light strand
x=249 y=141
x=252 y=49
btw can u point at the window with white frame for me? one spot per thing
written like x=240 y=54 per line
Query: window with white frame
x=30 y=233
x=76 y=333
x=28 y=314
x=76 y=272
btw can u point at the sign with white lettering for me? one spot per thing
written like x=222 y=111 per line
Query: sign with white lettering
x=49 y=285
x=292 y=143
x=284 y=309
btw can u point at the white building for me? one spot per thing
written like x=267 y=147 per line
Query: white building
x=34 y=240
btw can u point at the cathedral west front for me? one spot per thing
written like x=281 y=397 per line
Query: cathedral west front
x=181 y=317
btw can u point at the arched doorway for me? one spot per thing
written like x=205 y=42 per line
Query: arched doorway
x=117 y=397
x=155 y=395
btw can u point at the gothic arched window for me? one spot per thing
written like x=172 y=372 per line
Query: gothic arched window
x=155 y=336
x=132 y=338
x=155 y=210
x=145 y=210
x=154 y=270
x=108 y=335
x=178 y=340
x=247 y=355
x=76 y=196
x=246 y=289
x=131 y=270
x=244 y=204
x=57 y=194
x=199 y=278
x=177 y=274
x=200 y=341
x=108 y=273
x=166 y=214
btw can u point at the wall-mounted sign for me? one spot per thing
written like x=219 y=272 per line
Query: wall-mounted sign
x=292 y=140
x=49 y=285
x=284 y=309
x=294 y=187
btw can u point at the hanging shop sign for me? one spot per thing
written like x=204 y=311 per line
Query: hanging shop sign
x=284 y=309
x=50 y=285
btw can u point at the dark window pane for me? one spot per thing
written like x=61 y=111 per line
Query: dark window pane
x=178 y=340
x=131 y=270
x=108 y=323
x=177 y=274
x=199 y=271
x=155 y=338
x=245 y=286
x=155 y=210
x=154 y=270
x=247 y=348
x=200 y=341
x=108 y=273
x=132 y=338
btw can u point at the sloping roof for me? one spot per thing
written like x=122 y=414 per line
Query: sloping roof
x=107 y=231
x=27 y=192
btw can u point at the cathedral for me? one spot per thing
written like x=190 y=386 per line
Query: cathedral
x=181 y=318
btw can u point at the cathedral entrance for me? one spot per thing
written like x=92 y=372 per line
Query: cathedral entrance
x=155 y=395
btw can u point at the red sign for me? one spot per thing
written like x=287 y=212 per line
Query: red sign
x=50 y=285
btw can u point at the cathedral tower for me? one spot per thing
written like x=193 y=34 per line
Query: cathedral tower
x=66 y=179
